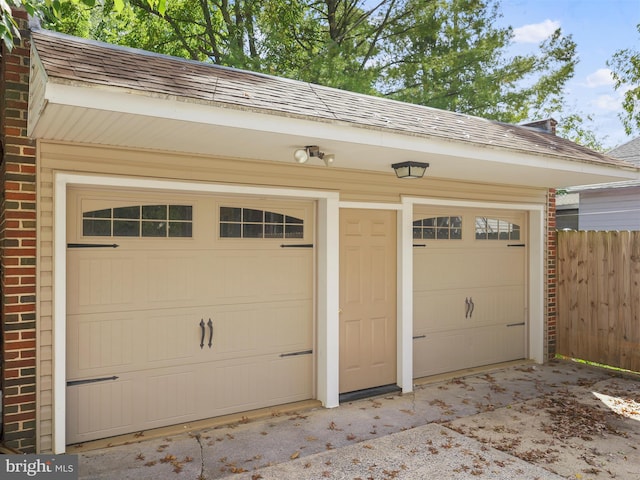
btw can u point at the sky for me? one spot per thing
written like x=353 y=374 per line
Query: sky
x=599 y=28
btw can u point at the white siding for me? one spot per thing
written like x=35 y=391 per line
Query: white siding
x=610 y=209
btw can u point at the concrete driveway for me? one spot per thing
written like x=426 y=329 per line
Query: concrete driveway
x=560 y=420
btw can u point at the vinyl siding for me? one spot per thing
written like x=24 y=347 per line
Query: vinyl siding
x=610 y=209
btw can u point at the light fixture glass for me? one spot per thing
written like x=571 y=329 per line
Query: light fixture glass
x=301 y=155
x=410 y=169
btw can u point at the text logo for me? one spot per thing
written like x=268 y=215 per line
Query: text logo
x=51 y=467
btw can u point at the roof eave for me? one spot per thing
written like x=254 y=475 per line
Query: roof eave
x=111 y=115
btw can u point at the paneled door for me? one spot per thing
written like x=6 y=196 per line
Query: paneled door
x=367 y=299
x=469 y=288
x=183 y=307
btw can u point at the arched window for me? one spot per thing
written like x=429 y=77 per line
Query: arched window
x=496 y=229
x=237 y=222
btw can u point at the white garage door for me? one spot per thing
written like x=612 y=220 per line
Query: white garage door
x=469 y=289
x=204 y=308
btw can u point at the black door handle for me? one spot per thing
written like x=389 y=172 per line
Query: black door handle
x=202 y=337
x=210 y=324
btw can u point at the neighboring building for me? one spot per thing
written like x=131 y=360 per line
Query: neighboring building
x=567 y=208
x=616 y=205
x=165 y=259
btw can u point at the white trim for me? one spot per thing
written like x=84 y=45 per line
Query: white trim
x=328 y=263
x=405 y=298
x=535 y=269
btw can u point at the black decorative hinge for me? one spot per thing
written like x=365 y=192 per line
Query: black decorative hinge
x=92 y=245
x=71 y=383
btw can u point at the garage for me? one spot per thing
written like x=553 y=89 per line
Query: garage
x=469 y=288
x=183 y=307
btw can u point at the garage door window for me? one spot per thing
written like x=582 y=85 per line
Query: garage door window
x=496 y=229
x=139 y=221
x=438 y=228
x=236 y=222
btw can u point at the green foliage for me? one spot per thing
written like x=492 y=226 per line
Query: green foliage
x=58 y=13
x=625 y=65
x=9 y=30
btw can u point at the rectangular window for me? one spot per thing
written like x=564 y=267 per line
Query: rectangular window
x=438 y=228
x=139 y=221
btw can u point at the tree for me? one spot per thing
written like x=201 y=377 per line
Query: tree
x=625 y=65
x=9 y=28
x=453 y=58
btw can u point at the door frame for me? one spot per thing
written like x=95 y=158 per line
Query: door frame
x=327 y=268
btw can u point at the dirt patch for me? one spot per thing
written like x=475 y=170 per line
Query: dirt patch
x=584 y=432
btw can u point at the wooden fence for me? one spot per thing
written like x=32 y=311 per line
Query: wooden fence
x=599 y=297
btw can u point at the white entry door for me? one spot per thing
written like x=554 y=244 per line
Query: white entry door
x=181 y=308
x=469 y=288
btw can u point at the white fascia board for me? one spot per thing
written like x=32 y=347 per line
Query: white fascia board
x=178 y=108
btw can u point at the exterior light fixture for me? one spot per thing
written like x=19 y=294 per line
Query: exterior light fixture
x=302 y=155
x=410 y=169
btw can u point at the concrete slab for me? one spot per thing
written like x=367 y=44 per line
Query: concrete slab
x=398 y=434
x=430 y=451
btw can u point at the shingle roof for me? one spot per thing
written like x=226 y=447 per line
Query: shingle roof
x=629 y=151
x=75 y=60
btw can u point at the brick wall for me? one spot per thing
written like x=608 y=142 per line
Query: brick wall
x=550 y=288
x=17 y=249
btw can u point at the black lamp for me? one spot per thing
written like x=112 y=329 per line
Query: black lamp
x=410 y=169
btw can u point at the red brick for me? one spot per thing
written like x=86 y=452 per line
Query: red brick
x=19 y=271
x=20 y=399
x=30 y=307
x=30 y=362
x=25 y=344
x=11 y=195
x=20 y=233
x=12 y=130
x=19 y=417
x=13 y=290
x=21 y=214
x=20 y=252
